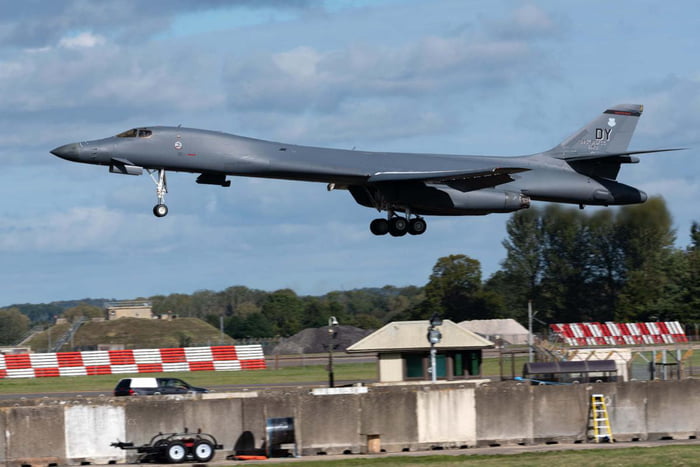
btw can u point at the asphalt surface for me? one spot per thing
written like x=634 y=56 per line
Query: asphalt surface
x=222 y=388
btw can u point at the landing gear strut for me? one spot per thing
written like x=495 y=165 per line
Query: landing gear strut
x=160 y=209
x=398 y=226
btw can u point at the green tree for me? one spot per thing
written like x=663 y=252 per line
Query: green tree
x=455 y=291
x=13 y=326
x=520 y=277
x=683 y=301
x=256 y=325
x=647 y=238
x=284 y=310
x=567 y=273
x=82 y=311
x=607 y=264
x=695 y=236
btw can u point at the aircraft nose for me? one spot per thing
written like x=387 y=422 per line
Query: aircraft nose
x=69 y=152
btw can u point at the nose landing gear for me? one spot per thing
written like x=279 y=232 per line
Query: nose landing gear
x=160 y=209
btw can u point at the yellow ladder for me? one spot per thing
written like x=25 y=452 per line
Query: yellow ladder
x=601 y=421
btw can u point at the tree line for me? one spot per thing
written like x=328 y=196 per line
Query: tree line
x=609 y=265
x=574 y=265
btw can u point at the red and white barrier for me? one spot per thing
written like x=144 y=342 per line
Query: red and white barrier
x=588 y=334
x=107 y=362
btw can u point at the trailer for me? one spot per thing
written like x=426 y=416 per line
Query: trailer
x=175 y=447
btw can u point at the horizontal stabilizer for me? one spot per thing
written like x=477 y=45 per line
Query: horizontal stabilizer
x=620 y=154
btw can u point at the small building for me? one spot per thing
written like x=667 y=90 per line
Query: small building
x=128 y=309
x=404 y=351
x=507 y=330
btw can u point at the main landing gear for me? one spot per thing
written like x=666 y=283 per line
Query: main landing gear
x=160 y=209
x=398 y=226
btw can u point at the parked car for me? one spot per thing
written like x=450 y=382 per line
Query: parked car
x=154 y=386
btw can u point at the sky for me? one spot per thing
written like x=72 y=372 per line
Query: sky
x=440 y=76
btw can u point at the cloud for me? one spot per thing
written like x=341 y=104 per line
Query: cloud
x=672 y=110
x=529 y=21
x=86 y=81
x=34 y=24
x=82 y=40
x=306 y=78
x=77 y=229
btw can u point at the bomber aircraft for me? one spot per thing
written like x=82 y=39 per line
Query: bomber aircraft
x=581 y=170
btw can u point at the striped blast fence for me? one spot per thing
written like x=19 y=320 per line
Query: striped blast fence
x=108 y=362
x=592 y=334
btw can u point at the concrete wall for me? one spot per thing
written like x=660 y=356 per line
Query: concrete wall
x=90 y=429
x=390 y=367
x=405 y=417
x=446 y=416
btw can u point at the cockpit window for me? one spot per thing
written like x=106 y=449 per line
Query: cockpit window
x=134 y=132
x=128 y=133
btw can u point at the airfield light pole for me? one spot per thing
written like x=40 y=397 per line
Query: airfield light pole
x=434 y=337
x=530 y=317
x=332 y=324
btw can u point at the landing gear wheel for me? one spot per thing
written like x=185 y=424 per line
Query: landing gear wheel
x=379 y=227
x=417 y=226
x=203 y=450
x=160 y=210
x=398 y=226
x=176 y=452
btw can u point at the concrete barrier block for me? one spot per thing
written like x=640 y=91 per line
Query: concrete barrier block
x=330 y=424
x=89 y=431
x=504 y=413
x=391 y=414
x=221 y=418
x=560 y=413
x=150 y=415
x=667 y=409
x=627 y=409
x=446 y=416
x=35 y=433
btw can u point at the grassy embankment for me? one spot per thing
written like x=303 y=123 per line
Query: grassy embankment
x=134 y=333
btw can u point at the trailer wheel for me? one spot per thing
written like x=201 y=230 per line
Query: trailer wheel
x=175 y=452
x=203 y=450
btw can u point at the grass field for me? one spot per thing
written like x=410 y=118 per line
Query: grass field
x=655 y=456
x=344 y=372
x=106 y=383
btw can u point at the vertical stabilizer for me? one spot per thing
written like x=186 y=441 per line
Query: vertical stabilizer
x=610 y=133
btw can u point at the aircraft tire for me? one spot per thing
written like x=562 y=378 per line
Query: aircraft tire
x=398 y=226
x=160 y=210
x=417 y=226
x=379 y=227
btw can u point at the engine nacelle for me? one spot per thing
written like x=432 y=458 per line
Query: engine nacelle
x=487 y=200
x=440 y=200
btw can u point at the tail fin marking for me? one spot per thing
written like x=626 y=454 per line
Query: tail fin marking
x=609 y=133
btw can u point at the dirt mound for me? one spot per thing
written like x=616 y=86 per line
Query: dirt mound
x=315 y=340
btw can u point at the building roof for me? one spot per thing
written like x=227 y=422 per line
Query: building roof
x=491 y=327
x=412 y=335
